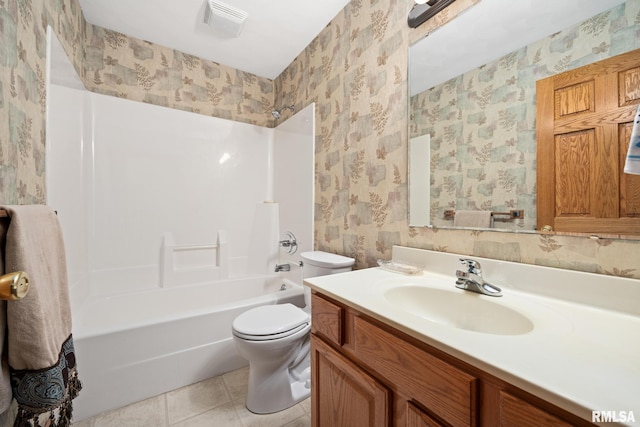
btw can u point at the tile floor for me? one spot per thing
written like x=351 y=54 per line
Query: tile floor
x=218 y=401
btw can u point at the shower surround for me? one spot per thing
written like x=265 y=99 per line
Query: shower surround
x=171 y=223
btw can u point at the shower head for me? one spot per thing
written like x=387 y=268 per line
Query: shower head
x=278 y=113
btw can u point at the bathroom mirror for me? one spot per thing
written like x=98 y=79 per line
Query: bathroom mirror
x=472 y=90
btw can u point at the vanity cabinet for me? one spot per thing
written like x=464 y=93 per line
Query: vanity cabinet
x=351 y=397
x=367 y=373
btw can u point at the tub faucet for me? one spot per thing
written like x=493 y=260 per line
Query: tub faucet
x=286 y=266
x=289 y=243
x=283 y=267
x=471 y=280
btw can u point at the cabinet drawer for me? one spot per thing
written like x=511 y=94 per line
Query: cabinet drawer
x=328 y=319
x=446 y=391
x=515 y=412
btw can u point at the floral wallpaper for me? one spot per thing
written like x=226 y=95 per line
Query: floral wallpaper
x=355 y=72
x=130 y=68
x=482 y=123
x=23 y=90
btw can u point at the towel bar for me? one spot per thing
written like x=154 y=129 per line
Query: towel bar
x=5 y=214
x=14 y=286
x=512 y=214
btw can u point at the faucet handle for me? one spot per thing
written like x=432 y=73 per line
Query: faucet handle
x=472 y=265
x=289 y=242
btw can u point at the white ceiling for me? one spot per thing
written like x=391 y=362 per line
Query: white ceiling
x=274 y=34
x=490 y=30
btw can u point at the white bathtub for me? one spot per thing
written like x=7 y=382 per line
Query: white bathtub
x=137 y=345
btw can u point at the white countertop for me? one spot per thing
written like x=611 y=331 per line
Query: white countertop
x=578 y=356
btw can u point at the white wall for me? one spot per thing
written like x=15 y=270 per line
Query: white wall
x=419 y=180
x=64 y=152
x=294 y=176
x=144 y=170
x=65 y=177
x=122 y=173
x=160 y=170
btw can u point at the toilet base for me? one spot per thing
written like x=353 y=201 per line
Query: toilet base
x=279 y=371
x=265 y=399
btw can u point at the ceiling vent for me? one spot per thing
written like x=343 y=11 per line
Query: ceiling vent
x=223 y=17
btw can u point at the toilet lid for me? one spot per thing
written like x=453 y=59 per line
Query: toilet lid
x=326 y=259
x=268 y=320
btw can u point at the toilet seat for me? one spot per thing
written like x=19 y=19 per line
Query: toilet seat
x=270 y=322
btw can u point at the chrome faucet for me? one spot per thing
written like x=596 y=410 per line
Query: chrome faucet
x=289 y=243
x=471 y=280
x=283 y=267
x=287 y=266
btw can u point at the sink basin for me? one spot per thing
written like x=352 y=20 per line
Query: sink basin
x=459 y=309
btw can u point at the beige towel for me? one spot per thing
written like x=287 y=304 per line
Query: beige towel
x=40 y=346
x=5 y=385
x=480 y=219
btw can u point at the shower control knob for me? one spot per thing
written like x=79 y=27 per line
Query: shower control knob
x=289 y=242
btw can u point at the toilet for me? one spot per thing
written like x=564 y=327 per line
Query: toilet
x=275 y=339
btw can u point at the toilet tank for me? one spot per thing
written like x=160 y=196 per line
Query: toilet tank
x=319 y=263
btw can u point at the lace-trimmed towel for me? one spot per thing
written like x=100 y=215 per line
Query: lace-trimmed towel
x=40 y=350
x=632 y=164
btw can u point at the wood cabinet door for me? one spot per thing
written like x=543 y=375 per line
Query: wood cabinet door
x=418 y=418
x=583 y=126
x=446 y=391
x=342 y=394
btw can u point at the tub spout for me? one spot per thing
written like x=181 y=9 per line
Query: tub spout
x=287 y=266
x=283 y=267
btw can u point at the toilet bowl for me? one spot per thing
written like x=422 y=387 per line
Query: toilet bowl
x=275 y=339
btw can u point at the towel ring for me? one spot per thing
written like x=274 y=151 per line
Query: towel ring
x=14 y=286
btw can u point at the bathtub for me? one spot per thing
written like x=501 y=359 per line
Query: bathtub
x=130 y=347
